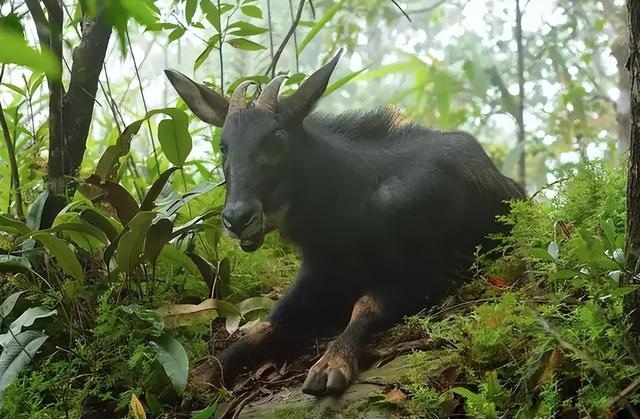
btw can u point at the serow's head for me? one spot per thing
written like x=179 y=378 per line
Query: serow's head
x=255 y=145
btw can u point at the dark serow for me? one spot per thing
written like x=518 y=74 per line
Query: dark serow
x=385 y=213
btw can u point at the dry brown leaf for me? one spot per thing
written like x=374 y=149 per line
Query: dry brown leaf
x=137 y=410
x=395 y=395
x=178 y=315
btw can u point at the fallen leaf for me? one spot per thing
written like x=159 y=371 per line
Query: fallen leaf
x=395 y=395
x=497 y=282
x=136 y=407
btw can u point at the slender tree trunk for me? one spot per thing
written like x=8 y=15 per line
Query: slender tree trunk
x=71 y=112
x=617 y=16
x=520 y=111
x=632 y=302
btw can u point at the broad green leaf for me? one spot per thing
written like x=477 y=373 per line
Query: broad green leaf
x=255 y=303
x=241 y=28
x=9 y=225
x=245 y=44
x=190 y=10
x=100 y=221
x=59 y=249
x=173 y=359
x=15 y=88
x=539 y=253
x=156 y=188
x=212 y=13
x=319 y=25
x=150 y=316
x=8 y=304
x=176 y=142
x=129 y=249
x=176 y=34
x=205 y=54
x=252 y=11
x=26 y=319
x=143 y=11
x=17 y=355
x=158 y=235
x=15 y=50
x=171 y=254
x=14 y=264
x=108 y=164
x=207 y=270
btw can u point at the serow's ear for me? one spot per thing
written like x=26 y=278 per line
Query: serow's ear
x=298 y=105
x=208 y=105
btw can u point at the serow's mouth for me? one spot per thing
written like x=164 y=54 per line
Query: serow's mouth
x=252 y=243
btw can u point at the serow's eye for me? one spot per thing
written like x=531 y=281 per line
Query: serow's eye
x=223 y=149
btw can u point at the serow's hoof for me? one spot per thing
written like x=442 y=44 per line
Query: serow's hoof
x=322 y=382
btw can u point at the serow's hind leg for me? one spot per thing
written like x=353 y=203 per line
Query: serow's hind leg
x=333 y=373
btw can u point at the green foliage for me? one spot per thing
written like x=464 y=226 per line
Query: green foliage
x=553 y=339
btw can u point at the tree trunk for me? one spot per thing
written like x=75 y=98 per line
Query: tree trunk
x=70 y=113
x=520 y=112
x=632 y=302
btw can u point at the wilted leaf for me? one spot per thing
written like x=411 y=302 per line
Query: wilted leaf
x=137 y=410
x=178 y=315
x=60 y=250
x=125 y=205
x=173 y=359
x=395 y=395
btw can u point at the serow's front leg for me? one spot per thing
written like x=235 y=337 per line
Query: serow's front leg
x=308 y=310
x=333 y=373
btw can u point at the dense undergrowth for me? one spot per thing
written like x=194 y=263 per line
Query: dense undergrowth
x=539 y=332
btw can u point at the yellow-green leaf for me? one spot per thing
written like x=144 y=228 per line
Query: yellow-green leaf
x=60 y=250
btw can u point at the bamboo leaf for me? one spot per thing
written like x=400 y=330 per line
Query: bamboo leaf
x=319 y=25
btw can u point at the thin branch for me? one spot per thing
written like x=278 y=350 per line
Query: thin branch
x=221 y=40
x=270 y=28
x=144 y=103
x=401 y=10
x=295 y=38
x=11 y=151
x=272 y=67
x=428 y=8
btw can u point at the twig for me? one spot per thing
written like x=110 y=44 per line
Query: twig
x=628 y=389
x=270 y=28
x=272 y=67
x=428 y=8
x=400 y=8
x=11 y=151
x=295 y=38
x=144 y=104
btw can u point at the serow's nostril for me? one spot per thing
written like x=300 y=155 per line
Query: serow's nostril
x=250 y=220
